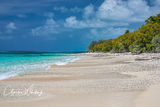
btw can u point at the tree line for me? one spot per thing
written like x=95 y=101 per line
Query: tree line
x=145 y=39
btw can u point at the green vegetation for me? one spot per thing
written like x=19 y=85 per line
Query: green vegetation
x=145 y=39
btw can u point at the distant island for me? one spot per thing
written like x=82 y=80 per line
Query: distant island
x=145 y=39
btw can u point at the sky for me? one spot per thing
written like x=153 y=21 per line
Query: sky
x=68 y=25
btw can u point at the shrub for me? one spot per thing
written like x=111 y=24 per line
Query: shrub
x=156 y=43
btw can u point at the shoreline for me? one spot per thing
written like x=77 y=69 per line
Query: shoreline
x=97 y=80
x=36 y=67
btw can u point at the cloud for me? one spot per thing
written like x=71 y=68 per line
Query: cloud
x=50 y=27
x=65 y=9
x=90 y=20
x=62 y=9
x=10 y=27
x=89 y=11
x=113 y=9
x=105 y=32
x=111 y=12
x=112 y=17
x=72 y=22
x=131 y=10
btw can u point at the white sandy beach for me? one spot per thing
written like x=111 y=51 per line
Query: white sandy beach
x=96 y=80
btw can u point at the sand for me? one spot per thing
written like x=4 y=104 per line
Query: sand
x=96 y=80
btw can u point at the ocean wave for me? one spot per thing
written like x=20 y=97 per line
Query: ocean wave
x=24 y=68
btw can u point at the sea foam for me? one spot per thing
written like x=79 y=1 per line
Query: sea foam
x=12 y=65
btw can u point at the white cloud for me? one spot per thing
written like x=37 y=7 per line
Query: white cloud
x=131 y=10
x=50 y=27
x=113 y=13
x=72 y=22
x=112 y=17
x=10 y=27
x=106 y=32
x=89 y=11
x=113 y=9
x=116 y=31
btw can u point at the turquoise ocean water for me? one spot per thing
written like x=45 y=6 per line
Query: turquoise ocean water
x=17 y=63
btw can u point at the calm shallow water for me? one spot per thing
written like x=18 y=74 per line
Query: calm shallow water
x=14 y=63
